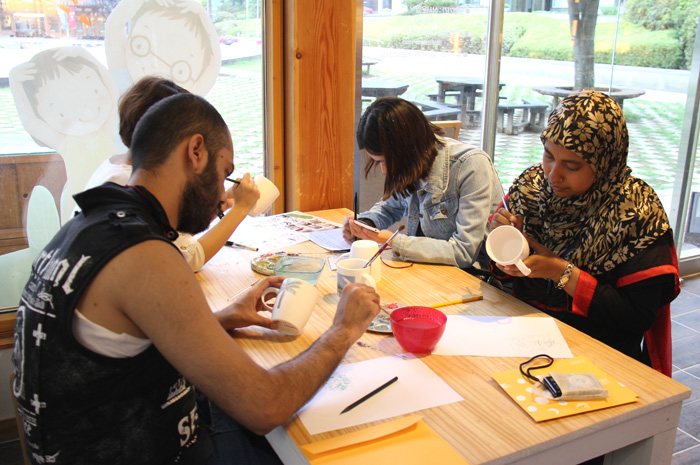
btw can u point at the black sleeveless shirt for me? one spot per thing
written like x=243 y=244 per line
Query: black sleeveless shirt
x=80 y=407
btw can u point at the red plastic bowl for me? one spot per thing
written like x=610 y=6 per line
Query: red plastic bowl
x=418 y=329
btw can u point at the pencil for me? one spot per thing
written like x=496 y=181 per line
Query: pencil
x=354 y=210
x=235 y=181
x=370 y=395
x=460 y=301
x=354 y=207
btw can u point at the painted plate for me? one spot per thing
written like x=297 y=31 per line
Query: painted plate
x=263 y=263
x=382 y=322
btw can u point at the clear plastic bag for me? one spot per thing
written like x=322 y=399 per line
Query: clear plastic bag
x=577 y=386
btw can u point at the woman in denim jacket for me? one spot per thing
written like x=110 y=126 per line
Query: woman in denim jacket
x=445 y=189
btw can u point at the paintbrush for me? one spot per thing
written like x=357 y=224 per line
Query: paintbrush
x=384 y=246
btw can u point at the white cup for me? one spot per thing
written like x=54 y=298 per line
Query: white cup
x=351 y=270
x=506 y=245
x=295 y=302
x=365 y=250
x=268 y=194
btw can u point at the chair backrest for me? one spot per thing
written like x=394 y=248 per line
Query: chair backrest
x=449 y=128
x=20 y=428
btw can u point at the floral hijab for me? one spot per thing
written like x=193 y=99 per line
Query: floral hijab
x=617 y=217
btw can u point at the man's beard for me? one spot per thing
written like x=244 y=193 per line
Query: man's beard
x=200 y=201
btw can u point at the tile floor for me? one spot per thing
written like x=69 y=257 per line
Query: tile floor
x=685 y=318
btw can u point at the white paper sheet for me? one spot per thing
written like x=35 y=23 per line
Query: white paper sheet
x=330 y=239
x=502 y=336
x=418 y=388
x=276 y=232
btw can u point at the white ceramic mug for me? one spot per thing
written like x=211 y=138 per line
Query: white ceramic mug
x=295 y=302
x=506 y=245
x=365 y=250
x=268 y=194
x=351 y=270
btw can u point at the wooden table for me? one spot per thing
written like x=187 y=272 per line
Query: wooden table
x=487 y=427
x=466 y=88
x=380 y=88
x=619 y=94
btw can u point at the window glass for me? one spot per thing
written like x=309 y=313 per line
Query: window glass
x=37 y=145
x=433 y=53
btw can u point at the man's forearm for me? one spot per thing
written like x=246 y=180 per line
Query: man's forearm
x=300 y=378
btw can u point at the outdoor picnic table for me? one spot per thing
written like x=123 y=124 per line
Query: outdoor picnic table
x=619 y=93
x=380 y=88
x=465 y=87
x=368 y=62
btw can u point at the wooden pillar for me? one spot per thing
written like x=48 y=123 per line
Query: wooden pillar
x=319 y=61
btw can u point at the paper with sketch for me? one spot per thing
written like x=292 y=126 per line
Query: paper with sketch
x=275 y=232
x=352 y=381
x=330 y=239
x=502 y=336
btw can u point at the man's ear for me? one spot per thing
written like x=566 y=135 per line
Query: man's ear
x=197 y=153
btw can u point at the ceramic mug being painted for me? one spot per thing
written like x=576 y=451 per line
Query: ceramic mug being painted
x=506 y=245
x=295 y=302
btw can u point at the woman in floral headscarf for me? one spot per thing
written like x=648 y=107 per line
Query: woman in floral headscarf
x=603 y=256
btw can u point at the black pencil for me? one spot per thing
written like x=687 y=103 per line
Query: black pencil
x=354 y=206
x=371 y=394
x=354 y=209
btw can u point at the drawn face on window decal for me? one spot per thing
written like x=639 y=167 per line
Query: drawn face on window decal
x=155 y=47
x=75 y=103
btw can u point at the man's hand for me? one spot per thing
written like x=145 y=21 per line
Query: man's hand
x=244 y=311
x=358 y=306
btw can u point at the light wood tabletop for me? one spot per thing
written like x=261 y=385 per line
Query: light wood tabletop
x=487 y=427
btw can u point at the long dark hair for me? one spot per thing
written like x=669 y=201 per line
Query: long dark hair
x=399 y=131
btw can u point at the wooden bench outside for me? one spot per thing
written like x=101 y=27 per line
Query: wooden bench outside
x=470 y=116
x=533 y=116
x=539 y=113
x=437 y=111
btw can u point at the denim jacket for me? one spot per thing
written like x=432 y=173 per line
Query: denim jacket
x=452 y=205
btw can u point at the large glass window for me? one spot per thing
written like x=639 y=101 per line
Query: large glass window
x=33 y=153
x=433 y=53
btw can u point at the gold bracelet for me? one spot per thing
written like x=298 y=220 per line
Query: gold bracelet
x=565 y=276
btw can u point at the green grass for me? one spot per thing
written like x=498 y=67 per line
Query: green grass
x=252 y=65
x=383 y=28
x=239 y=27
x=527 y=35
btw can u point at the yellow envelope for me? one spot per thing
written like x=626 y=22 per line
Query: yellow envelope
x=407 y=440
x=540 y=408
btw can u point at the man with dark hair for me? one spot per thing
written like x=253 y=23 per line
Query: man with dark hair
x=113 y=330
